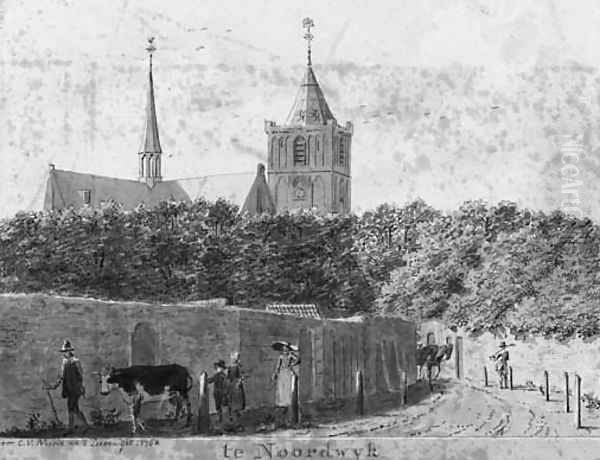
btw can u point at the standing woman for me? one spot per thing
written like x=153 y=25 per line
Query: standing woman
x=237 y=395
x=284 y=374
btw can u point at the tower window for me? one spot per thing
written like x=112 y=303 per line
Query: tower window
x=342 y=152
x=299 y=151
x=86 y=196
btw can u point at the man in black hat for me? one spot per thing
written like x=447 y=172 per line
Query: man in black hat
x=71 y=377
x=220 y=393
x=501 y=358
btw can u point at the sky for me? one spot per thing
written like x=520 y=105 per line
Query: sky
x=451 y=100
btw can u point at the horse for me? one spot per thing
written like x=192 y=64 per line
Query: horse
x=431 y=356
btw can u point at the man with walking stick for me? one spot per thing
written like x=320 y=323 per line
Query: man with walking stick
x=71 y=377
x=501 y=364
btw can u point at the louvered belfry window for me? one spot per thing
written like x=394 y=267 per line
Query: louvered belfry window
x=342 y=152
x=299 y=151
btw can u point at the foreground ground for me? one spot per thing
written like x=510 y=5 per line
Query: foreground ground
x=455 y=408
x=468 y=409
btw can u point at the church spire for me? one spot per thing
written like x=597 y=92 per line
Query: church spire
x=310 y=106
x=150 y=152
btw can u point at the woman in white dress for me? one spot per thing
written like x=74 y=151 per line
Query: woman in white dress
x=284 y=374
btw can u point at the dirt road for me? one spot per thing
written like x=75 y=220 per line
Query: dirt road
x=467 y=409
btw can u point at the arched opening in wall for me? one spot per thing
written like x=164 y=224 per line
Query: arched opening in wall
x=283 y=151
x=342 y=152
x=144 y=345
x=342 y=196
x=430 y=338
x=318 y=193
x=274 y=152
x=299 y=151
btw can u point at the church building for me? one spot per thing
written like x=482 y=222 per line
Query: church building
x=309 y=155
x=308 y=165
x=70 y=189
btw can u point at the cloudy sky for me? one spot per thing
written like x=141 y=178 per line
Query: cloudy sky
x=451 y=100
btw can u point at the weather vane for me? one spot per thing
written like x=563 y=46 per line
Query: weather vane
x=151 y=48
x=307 y=23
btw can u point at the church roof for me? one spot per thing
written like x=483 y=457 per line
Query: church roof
x=259 y=199
x=72 y=189
x=310 y=106
x=151 y=141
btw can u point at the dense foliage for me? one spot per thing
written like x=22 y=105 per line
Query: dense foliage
x=179 y=252
x=481 y=267
x=492 y=268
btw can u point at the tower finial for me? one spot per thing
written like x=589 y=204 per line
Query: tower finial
x=308 y=23
x=151 y=49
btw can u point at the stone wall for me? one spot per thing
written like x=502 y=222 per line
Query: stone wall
x=192 y=335
x=34 y=327
x=331 y=352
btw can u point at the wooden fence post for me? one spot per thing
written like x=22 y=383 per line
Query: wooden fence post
x=295 y=402
x=405 y=389
x=203 y=422
x=458 y=357
x=360 y=394
x=577 y=401
x=567 y=408
x=485 y=376
x=510 y=377
x=547 y=385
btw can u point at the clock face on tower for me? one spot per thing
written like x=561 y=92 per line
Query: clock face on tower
x=299 y=192
x=299 y=189
x=314 y=115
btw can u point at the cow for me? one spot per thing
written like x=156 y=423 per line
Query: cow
x=138 y=384
x=431 y=356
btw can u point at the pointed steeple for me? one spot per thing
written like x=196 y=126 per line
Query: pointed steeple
x=310 y=106
x=150 y=151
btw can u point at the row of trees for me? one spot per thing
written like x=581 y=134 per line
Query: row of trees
x=489 y=268
x=481 y=267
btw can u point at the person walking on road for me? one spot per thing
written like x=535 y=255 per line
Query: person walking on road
x=501 y=357
x=71 y=377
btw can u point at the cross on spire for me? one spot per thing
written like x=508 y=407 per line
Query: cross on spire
x=308 y=23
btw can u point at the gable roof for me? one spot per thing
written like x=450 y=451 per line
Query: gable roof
x=65 y=189
x=300 y=310
x=259 y=199
x=310 y=106
x=231 y=186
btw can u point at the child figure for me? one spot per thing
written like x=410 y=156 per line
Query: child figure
x=237 y=395
x=220 y=382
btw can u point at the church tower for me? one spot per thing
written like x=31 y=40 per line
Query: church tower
x=150 y=152
x=309 y=156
